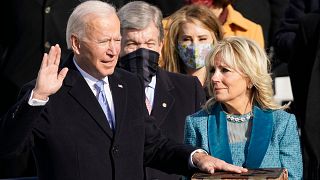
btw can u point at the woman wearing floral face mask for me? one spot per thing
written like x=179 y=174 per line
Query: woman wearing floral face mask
x=190 y=36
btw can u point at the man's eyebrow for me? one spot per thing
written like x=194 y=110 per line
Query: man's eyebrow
x=130 y=40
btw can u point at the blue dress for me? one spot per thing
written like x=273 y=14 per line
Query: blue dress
x=274 y=140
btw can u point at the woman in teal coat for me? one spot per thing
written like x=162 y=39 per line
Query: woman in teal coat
x=241 y=123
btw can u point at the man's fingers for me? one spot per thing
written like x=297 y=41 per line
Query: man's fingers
x=62 y=74
x=229 y=167
x=212 y=171
x=211 y=164
x=58 y=55
x=52 y=55
x=211 y=168
x=222 y=165
x=44 y=62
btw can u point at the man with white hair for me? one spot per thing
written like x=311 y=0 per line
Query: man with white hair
x=89 y=119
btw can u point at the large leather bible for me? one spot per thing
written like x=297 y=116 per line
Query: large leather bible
x=260 y=173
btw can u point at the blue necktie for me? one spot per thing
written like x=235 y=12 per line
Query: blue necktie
x=104 y=103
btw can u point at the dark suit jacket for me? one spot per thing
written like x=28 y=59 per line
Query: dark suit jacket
x=304 y=71
x=267 y=13
x=289 y=25
x=71 y=139
x=176 y=96
x=302 y=62
x=29 y=28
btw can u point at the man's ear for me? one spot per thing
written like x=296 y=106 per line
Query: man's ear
x=161 y=62
x=75 y=44
x=161 y=42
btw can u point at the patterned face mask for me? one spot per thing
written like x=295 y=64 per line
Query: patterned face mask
x=194 y=55
x=143 y=62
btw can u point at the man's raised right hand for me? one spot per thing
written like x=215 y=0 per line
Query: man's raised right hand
x=49 y=79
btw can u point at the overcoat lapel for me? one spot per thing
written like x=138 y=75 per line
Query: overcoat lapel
x=119 y=95
x=163 y=98
x=82 y=93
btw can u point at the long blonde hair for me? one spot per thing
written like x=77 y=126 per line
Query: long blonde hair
x=190 y=13
x=247 y=56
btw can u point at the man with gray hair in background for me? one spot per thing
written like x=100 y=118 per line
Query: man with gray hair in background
x=88 y=120
x=170 y=97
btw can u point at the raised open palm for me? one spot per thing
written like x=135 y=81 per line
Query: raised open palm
x=49 y=78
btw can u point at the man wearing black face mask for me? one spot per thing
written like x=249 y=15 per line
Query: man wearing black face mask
x=170 y=97
x=143 y=62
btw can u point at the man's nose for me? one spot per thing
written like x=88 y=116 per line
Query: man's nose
x=114 y=47
x=142 y=45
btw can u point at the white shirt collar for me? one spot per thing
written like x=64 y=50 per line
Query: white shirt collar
x=89 y=79
x=152 y=84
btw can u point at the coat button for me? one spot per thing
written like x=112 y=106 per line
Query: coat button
x=47 y=10
x=115 y=150
x=47 y=45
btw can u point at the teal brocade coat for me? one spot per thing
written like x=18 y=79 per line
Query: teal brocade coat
x=274 y=139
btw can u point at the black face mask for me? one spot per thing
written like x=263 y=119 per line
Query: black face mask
x=143 y=62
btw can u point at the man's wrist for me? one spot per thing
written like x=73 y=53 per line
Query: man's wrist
x=36 y=102
x=195 y=156
x=38 y=96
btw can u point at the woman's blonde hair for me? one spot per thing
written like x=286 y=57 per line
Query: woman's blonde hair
x=247 y=57
x=190 y=13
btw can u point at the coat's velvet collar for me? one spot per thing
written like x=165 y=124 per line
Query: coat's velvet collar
x=259 y=141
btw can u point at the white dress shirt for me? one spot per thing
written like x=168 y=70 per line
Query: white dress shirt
x=92 y=81
x=149 y=90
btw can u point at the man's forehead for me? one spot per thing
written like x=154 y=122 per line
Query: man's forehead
x=103 y=26
x=149 y=33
